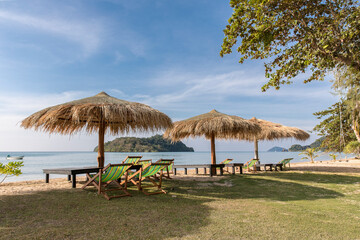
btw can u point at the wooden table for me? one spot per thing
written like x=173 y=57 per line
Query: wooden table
x=71 y=172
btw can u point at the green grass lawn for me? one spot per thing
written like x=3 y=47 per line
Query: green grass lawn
x=281 y=205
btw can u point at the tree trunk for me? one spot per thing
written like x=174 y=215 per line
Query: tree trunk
x=213 y=155
x=355 y=128
x=101 y=158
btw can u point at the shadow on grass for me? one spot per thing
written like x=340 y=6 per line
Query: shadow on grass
x=80 y=214
x=318 y=177
x=253 y=187
x=327 y=169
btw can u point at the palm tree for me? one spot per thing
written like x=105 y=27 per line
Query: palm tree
x=333 y=156
x=309 y=154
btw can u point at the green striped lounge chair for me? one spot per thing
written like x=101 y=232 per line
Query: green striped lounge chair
x=107 y=175
x=169 y=169
x=132 y=159
x=226 y=161
x=286 y=161
x=251 y=164
x=148 y=172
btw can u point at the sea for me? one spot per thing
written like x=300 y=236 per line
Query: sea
x=34 y=162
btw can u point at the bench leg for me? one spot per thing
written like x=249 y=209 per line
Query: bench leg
x=197 y=171
x=205 y=170
x=69 y=177
x=221 y=171
x=73 y=181
x=174 y=171
x=241 y=170
x=185 y=171
x=47 y=178
x=233 y=170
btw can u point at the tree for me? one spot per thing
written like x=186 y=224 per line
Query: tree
x=347 y=85
x=310 y=153
x=10 y=169
x=335 y=127
x=353 y=147
x=297 y=36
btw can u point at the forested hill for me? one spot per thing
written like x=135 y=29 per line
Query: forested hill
x=152 y=144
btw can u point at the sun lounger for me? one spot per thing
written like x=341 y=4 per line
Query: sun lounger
x=169 y=169
x=251 y=164
x=286 y=161
x=226 y=161
x=132 y=159
x=148 y=172
x=107 y=175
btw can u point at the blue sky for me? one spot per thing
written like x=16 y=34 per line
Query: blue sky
x=161 y=53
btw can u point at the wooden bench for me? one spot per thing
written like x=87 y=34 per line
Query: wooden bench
x=234 y=166
x=71 y=172
x=212 y=168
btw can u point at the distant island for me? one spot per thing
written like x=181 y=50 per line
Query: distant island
x=152 y=144
x=278 y=149
x=298 y=147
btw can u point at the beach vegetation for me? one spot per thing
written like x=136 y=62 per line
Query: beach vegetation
x=333 y=156
x=276 y=205
x=353 y=147
x=335 y=127
x=296 y=37
x=310 y=154
x=10 y=169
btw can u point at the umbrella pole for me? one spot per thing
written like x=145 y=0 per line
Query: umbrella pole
x=256 y=147
x=213 y=156
x=101 y=158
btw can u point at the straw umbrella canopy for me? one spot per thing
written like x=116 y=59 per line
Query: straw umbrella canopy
x=212 y=125
x=272 y=131
x=99 y=113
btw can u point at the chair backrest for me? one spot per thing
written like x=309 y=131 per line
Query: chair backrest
x=153 y=169
x=226 y=161
x=132 y=159
x=114 y=171
x=167 y=161
x=144 y=162
x=286 y=161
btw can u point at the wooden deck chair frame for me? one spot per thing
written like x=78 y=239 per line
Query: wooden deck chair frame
x=247 y=165
x=286 y=161
x=97 y=181
x=226 y=161
x=142 y=174
x=166 y=172
x=126 y=160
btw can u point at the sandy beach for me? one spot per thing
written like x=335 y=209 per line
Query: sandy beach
x=345 y=166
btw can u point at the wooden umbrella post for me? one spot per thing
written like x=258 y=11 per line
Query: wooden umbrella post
x=213 y=155
x=256 y=147
x=101 y=158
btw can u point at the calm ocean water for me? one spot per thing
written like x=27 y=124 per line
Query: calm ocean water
x=34 y=162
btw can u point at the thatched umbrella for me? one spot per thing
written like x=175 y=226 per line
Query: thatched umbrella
x=272 y=131
x=99 y=113
x=212 y=125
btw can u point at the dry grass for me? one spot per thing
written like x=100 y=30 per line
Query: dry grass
x=285 y=205
x=117 y=115
x=213 y=123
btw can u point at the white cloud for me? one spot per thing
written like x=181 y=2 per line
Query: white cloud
x=87 y=34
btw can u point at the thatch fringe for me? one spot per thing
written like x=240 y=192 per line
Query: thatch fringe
x=118 y=115
x=272 y=131
x=220 y=125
